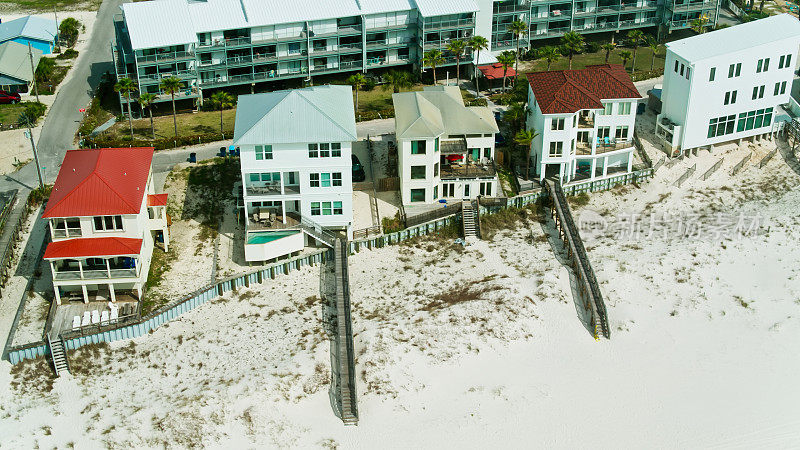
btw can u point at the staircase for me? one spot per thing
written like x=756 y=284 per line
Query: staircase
x=59 y=355
x=316 y=231
x=345 y=355
x=469 y=219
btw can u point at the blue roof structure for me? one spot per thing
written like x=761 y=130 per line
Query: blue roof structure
x=31 y=27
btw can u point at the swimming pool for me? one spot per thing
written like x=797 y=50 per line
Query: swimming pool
x=263 y=237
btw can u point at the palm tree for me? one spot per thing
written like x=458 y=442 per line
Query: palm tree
x=608 y=47
x=223 y=100
x=653 y=44
x=517 y=28
x=524 y=138
x=625 y=55
x=507 y=59
x=357 y=81
x=126 y=87
x=397 y=81
x=699 y=24
x=549 y=54
x=146 y=101
x=636 y=37
x=171 y=86
x=478 y=43
x=515 y=116
x=433 y=58
x=574 y=43
x=457 y=47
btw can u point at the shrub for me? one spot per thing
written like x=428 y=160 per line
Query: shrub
x=107 y=141
x=32 y=112
x=368 y=85
x=45 y=70
x=392 y=224
x=68 y=31
x=69 y=53
x=592 y=47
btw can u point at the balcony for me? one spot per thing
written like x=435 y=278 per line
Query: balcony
x=585 y=148
x=586 y=121
x=521 y=7
x=164 y=57
x=242 y=59
x=355 y=46
x=692 y=6
x=453 y=147
x=265 y=57
x=272 y=189
x=119 y=267
x=377 y=43
x=95 y=274
x=448 y=24
x=157 y=77
x=469 y=170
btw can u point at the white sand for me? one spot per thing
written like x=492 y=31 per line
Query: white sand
x=702 y=353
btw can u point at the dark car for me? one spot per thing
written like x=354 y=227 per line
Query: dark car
x=8 y=97
x=358 y=170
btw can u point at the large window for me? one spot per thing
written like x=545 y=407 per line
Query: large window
x=763 y=65
x=754 y=119
x=325 y=179
x=417 y=195
x=758 y=92
x=417 y=172
x=621 y=133
x=557 y=124
x=263 y=152
x=556 y=149
x=325 y=150
x=603 y=132
x=625 y=108
x=417 y=147
x=326 y=208
x=720 y=126
x=730 y=97
x=734 y=70
x=107 y=223
x=608 y=109
x=785 y=61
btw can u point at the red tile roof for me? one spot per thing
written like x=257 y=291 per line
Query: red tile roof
x=568 y=91
x=93 y=247
x=157 y=200
x=100 y=181
x=495 y=71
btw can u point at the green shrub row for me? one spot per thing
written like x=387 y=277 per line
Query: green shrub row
x=102 y=141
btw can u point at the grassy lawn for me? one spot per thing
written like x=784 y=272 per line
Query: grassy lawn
x=46 y=6
x=379 y=99
x=201 y=122
x=644 y=57
x=9 y=113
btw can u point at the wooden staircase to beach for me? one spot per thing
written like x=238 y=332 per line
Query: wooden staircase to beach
x=58 y=355
x=469 y=219
x=345 y=354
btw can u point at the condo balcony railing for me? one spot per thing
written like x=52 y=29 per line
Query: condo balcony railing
x=585 y=148
x=520 y=7
x=230 y=42
x=94 y=274
x=692 y=6
x=472 y=170
x=165 y=56
x=430 y=26
x=153 y=77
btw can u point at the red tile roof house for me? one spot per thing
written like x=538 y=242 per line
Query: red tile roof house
x=585 y=119
x=103 y=214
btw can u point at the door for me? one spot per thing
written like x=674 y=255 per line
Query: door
x=552 y=170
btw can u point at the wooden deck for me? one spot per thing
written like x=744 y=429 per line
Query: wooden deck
x=62 y=320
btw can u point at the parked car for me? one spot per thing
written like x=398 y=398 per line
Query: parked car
x=358 y=170
x=8 y=97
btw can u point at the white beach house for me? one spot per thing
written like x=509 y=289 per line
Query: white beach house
x=585 y=120
x=103 y=214
x=296 y=148
x=445 y=149
x=727 y=84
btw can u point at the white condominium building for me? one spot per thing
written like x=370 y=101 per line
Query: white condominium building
x=727 y=84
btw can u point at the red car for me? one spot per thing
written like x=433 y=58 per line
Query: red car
x=8 y=97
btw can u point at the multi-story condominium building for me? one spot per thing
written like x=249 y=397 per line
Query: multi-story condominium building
x=727 y=84
x=217 y=43
x=296 y=148
x=585 y=120
x=445 y=149
x=103 y=213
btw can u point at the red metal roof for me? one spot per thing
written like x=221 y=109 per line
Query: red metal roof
x=157 y=200
x=93 y=247
x=568 y=91
x=102 y=181
x=495 y=71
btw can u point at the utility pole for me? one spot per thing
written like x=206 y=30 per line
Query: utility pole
x=33 y=73
x=35 y=154
x=55 y=13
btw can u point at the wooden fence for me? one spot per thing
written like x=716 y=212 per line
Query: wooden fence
x=689 y=172
x=712 y=169
x=766 y=158
x=389 y=184
x=433 y=214
x=741 y=164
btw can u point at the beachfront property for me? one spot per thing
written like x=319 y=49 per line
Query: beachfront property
x=295 y=154
x=585 y=120
x=103 y=216
x=727 y=84
x=16 y=74
x=445 y=149
x=37 y=31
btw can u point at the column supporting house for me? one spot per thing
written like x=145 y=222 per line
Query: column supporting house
x=139 y=292
x=80 y=268
x=57 y=294
x=108 y=268
x=592 y=175
x=111 y=292
x=85 y=293
x=630 y=161
x=165 y=232
x=605 y=166
x=283 y=209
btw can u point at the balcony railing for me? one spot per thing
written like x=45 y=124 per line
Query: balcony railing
x=692 y=6
x=95 y=274
x=154 y=77
x=243 y=59
x=585 y=122
x=585 y=148
x=448 y=24
x=472 y=170
x=230 y=42
x=166 y=56
x=521 y=7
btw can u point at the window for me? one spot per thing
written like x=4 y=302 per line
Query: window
x=337 y=208
x=486 y=188
x=624 y=108
x=313 y=180
x=621 y=133
x=682 y=68
x=436 y=145
x=325 y=180
x=417 y=195
x=313 y=150
x=676 y=66
x=327 y=209
x=754 y=119
x=263 y=152
x=556 y=149
x=608 y=108
x=324 y=150
x=762 y=65
x=785 y=61
x=688 y=72
x=417 y=147
x=337 y=178
x=436 y=170
x=336 y=149
x=435 y=192
x=758 y=92
x=712 y=74
x=315 y=209
x=720 y=126
x=417 y=172
x=107 y=223
x=730 y=97
x=557 y=124
x=449 y=190
x=603 y=132
x=294 y=48
x=734 y=70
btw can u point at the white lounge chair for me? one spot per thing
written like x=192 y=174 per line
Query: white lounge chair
x=95 y=316
x=114 y=314
x=87 y=317
x=76 y=322
x=104 y=317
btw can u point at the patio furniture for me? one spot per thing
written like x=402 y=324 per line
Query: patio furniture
x=114 y=316
x=76 y=322
x=95 y=317
x=263 y=215
x=104 y=317
x=607 y=140
x=87 y=317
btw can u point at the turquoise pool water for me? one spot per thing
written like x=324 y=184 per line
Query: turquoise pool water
x=263 y=237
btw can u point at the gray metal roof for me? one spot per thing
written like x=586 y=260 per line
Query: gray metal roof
x=15 y=62
x=158 y=23
x=33 y=27
x=439 y=110
x=314 y=114
x=736 y=38
x=430 y=8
